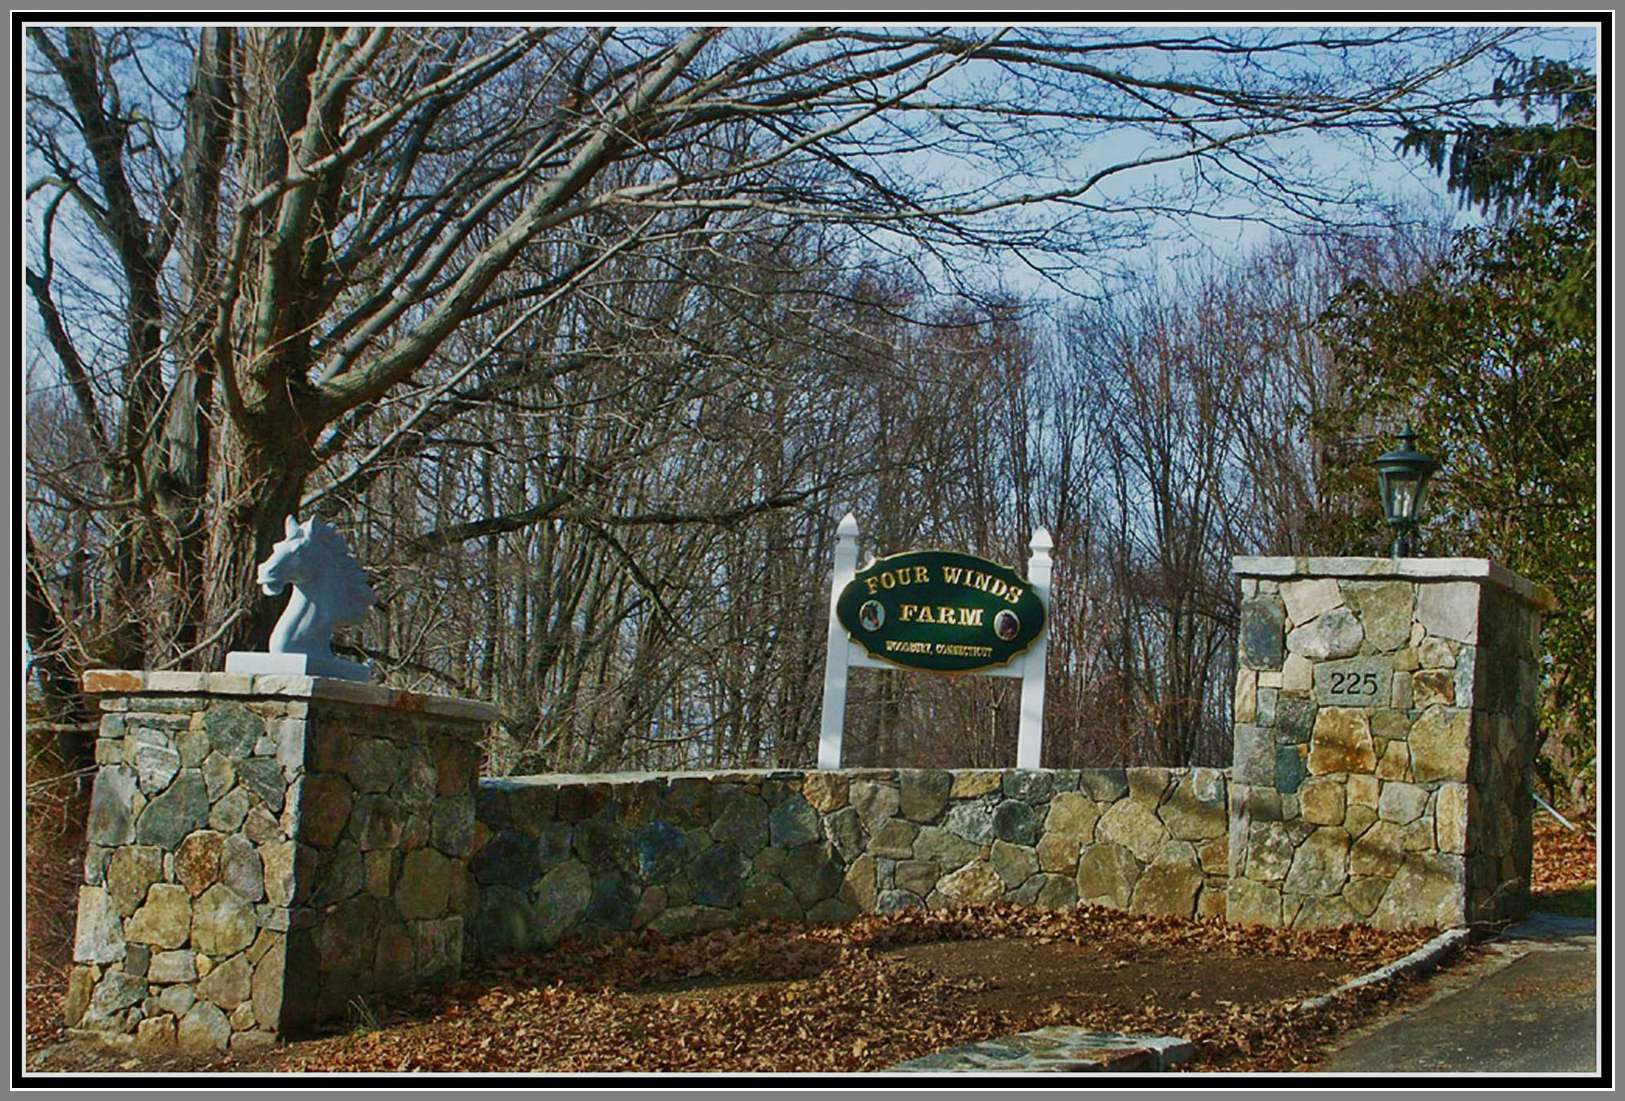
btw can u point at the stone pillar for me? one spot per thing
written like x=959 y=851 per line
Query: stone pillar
x=1385 y=717
x=262 y=850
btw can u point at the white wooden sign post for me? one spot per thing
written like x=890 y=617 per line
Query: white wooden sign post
x=844 y=652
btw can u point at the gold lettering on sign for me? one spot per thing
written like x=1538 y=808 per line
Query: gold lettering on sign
x=955 y=650
x=891 y=579
x=940 y=616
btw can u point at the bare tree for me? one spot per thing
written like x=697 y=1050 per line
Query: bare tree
x=279 y=268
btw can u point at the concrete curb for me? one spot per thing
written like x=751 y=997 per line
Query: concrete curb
x=1423 y=959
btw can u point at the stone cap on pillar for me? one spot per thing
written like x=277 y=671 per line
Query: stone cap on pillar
x=123 y=682
x=1282 y=567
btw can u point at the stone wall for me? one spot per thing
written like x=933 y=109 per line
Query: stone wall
x=1384 y=741
x=262 y=849
x=591 y=856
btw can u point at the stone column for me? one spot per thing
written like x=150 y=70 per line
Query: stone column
x=1385 y=715
x=262 y=850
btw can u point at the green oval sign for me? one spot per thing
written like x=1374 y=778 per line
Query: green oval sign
x=940 y=611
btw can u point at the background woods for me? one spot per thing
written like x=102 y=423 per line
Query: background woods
x=584 y=336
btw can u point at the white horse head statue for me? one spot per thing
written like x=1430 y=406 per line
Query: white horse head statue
x=329 y=588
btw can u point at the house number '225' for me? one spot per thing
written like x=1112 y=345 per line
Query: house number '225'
x=1355 y=683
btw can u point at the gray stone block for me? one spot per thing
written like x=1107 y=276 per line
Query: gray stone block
x=1260 y=635
x=1254 y=755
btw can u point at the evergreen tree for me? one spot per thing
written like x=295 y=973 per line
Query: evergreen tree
x=1492 y=355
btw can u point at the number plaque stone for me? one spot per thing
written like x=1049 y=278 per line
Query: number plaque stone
x=1354 y=682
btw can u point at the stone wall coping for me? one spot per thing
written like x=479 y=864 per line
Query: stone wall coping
x=124 y=682
x=756 y=775
x=1276 y=567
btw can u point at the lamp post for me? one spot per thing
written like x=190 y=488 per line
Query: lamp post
x=1402 y=477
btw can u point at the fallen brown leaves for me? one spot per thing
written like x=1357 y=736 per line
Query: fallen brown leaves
x=1565 y=860
x=778 y=997
x=54 y=855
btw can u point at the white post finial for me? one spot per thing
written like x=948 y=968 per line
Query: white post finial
x=830 y=732
x=1030 y=737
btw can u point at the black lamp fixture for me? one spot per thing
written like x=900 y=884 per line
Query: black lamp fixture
x=1402 y=478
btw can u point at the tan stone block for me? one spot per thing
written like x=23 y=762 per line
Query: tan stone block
x=1450 y=813
x=1363 y=894
x=1449 y=609
x=1433 y=688
x=155 y=1035
x=826 y=791
x=1321 y=864
x=107 y=682
x=278 y=861
x=1341 y=742
x=1363 y=790
x=1269 y=851
x=1387 y=725
x=1306 y=599
x=1401 y=696
x=1058 y=853
x=229 y=684
x=1395 y=763
x=204 y=1029
x=1357 y=819
x=1297 y=675
x=166 y=919
x=1428 y=891
x=228 y=985
x=1250 y=903
x=1323 y=801
x=1385 y=609
x=267 y=994
x=975 y=882
x=1378 y=852
x=1439 y=744
x=1107 y=873
x=1405 y=660
x=1169 y=884
x=969 y=783
x=133 y=869
x=1437 y=653
x=1269 y=678
x=1246 y=702
x=1134 y=826
x=1210 y=904
x=1401 y=803
x=858 y=888
x=173 y=966
x=1323 y=913
x=1417 y=836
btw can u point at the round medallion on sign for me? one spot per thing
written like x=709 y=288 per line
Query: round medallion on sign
x=941 y=611
x=1007 y=625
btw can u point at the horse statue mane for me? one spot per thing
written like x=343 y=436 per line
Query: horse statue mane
x=330 y=589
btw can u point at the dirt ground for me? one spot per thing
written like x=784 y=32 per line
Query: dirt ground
x=859 y=997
